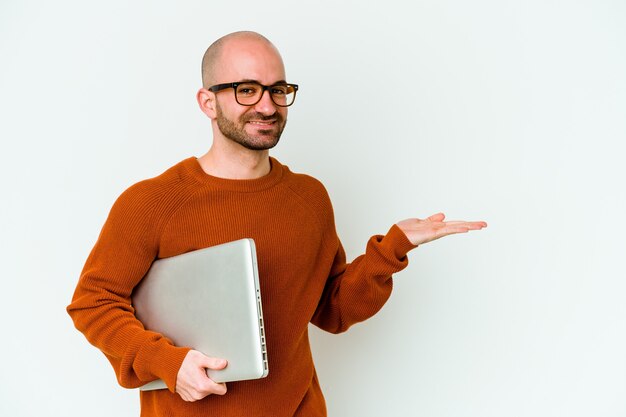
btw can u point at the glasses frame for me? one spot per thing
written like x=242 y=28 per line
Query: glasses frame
x=219 y=87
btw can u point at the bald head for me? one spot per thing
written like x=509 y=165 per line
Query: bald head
x=212 y=60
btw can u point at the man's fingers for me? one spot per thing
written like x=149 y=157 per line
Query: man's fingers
x=461 y=227
x=202 y=390
x=477 y=225
x=214 y=363
x=437 y=217
x=220 y=389
x=209 y=386
x=463 y=223
x=455 y=229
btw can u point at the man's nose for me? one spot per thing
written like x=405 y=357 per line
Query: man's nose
x=265 y=106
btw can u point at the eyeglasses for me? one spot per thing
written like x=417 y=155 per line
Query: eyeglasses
x=249 y=93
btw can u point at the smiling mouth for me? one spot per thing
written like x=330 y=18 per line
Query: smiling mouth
x=262 y=122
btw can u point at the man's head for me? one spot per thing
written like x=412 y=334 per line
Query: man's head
x=237 y=57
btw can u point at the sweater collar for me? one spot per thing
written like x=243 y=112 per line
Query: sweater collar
x=272 y=178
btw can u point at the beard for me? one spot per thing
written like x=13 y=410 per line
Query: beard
x=236 y=130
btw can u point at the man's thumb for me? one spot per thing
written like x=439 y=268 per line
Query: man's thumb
x=214 y=363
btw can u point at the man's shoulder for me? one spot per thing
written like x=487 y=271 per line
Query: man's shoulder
x=164 y=189
x=312 y=194
x=304 y=184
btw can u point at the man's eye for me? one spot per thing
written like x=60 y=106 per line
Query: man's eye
x=247 y=91
x=278 y=91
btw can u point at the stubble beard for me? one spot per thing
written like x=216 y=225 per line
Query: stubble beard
x=235 y=131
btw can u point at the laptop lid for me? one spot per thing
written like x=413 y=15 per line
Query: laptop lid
x=208 y=299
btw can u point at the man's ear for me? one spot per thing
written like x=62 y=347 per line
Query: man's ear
x=206 y=101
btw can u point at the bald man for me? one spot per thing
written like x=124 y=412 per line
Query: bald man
x=233 y=191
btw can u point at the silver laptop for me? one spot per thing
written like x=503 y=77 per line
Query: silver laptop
x=209 y=300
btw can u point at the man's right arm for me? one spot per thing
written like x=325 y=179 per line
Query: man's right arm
x=101 y=307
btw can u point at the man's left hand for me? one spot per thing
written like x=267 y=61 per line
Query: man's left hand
x=423 y=231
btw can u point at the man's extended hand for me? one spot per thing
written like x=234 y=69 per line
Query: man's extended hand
x=192 y=382
x=423 y=231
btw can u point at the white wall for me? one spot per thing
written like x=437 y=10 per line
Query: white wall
x=507 y=111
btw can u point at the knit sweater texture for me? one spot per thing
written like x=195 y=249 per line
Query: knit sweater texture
x=304 y=279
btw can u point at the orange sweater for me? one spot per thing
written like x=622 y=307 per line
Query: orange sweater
x=303 y=275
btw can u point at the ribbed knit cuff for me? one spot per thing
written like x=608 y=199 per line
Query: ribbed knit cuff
x=163 y=360
x=397 y=240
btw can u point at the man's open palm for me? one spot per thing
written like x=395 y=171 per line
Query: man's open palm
x=423 y=231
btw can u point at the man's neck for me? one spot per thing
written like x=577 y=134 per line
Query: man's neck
x=233 y=161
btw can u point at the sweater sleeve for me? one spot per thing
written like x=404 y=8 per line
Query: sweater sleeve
x=354 y=292
x=101 y=306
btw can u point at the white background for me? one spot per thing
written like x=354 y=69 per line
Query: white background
x=507 y=111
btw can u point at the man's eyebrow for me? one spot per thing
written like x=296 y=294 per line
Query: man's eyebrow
x=248 y=80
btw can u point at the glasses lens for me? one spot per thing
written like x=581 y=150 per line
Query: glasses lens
x=248 y=93
x=283 y=94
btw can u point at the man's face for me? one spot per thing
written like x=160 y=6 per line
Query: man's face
x=256 y=127
x=252 y=129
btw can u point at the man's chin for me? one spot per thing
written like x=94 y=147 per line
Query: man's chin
x=260 y=144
